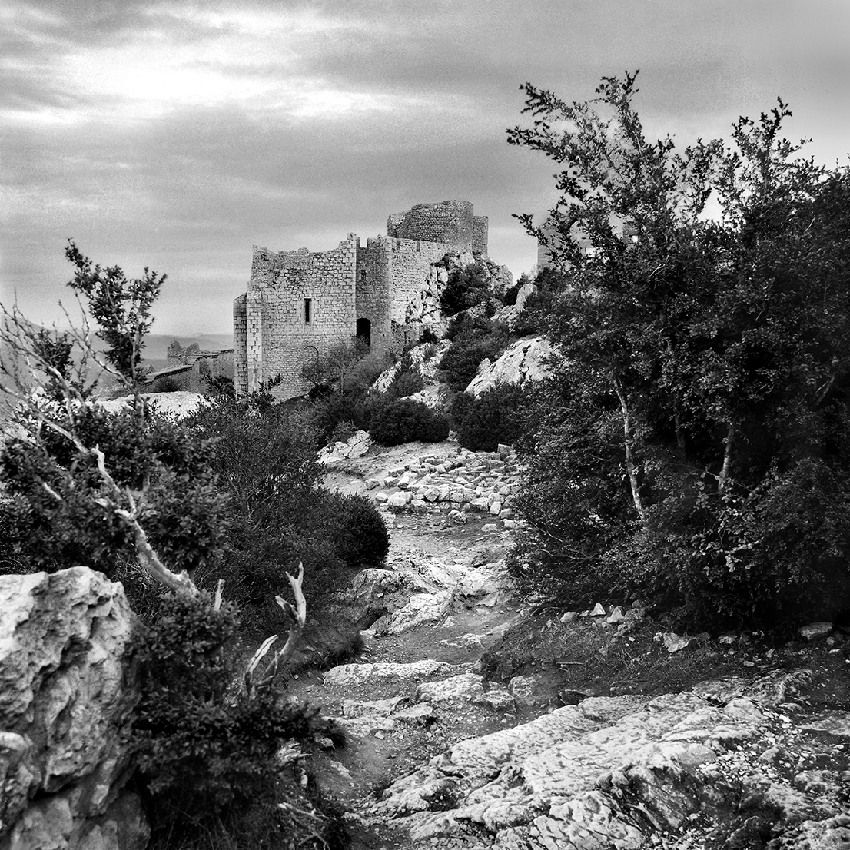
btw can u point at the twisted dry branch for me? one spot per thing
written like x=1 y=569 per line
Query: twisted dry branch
x=298 y=615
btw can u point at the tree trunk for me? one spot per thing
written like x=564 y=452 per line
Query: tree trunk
x=723 y=478
x=630 y=464
x=681 y=442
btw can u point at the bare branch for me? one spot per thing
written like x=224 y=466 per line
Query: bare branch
x=298 y=614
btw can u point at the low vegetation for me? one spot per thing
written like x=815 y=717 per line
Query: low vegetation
x=496 y=416
x=474 y=338
x=226 y=500
x=404 y=421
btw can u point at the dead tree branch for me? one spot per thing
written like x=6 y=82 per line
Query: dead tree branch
x=298 y=615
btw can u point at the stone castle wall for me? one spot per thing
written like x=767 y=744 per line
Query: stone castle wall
x=480 y=232
x=387 y=282
x=281 y=336
x=391 y=274
x=449 y=222
x=240 y=344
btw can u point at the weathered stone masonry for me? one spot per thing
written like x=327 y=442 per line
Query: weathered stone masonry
x=300 y=303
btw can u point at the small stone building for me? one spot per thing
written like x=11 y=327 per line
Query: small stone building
x=300 y=303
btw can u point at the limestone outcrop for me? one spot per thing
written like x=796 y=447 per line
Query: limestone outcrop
x=68 y=685
x=179 y=403
x=613 y=772
x=424 y=358
x=356 y=446
x=523 y=361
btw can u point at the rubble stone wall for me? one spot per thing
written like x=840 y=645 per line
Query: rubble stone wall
x=240 y=344
x=449 y=222
x=299 y=304
x=480 y=228
x=392 y=282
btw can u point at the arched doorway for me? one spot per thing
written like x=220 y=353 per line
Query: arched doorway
x=364 y=331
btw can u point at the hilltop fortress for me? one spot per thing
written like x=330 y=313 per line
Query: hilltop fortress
x=300 y=303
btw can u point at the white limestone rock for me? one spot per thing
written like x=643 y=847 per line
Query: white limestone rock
x=573 y=778
x=68 y=685
x=467 y=687
x=360 y=674
x=525 y=360
x=179 y=403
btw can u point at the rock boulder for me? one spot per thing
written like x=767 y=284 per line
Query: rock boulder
x=68 y=686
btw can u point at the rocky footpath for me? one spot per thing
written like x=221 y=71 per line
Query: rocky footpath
x=443 y=752
x=68 y=685
x=443 y=480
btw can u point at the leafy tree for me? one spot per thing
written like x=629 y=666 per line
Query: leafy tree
x=336 y=365
x=404 y=421
x=474 y=338
x=55 y=350
x=120 y=306
x=496 y=416
x=719 y=346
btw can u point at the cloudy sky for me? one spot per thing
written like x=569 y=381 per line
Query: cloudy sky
x=179 y=134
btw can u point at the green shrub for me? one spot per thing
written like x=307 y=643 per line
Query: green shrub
x=329 y=410
x=535 y=314
x=773 y=558
x=361 y=536
x=182 y=510
x=342 y=432
x=470 y=324
x=510 y=294
x=404 y=421
x=465 y=288
x=267 y=463
x=496 y=416
x=165 y=385
x=404 y=384
x=472 y=341
x=208 y=753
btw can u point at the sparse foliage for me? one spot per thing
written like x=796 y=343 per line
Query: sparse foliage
x=121 y=307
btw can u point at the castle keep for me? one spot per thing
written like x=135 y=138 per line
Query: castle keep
x=300 y=303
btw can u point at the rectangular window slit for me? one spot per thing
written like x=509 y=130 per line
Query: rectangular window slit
x=308 y=310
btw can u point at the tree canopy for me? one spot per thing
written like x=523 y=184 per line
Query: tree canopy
x=705 y=318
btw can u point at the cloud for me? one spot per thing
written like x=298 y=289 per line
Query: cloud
x=179 y=134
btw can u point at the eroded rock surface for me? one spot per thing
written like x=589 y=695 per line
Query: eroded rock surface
x=525 y=360
x=67 y=689
x=619 y=772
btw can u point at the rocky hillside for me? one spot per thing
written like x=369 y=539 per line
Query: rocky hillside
x=474 y=721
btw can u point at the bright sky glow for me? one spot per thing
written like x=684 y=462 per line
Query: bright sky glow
x=177 y=135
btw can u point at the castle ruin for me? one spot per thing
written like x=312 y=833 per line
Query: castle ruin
x=300 y=303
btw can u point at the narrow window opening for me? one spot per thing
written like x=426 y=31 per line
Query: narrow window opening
x=308 y=310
